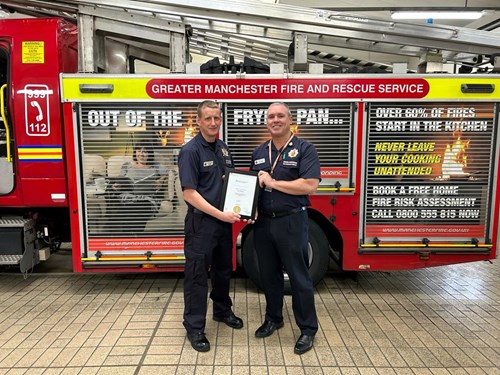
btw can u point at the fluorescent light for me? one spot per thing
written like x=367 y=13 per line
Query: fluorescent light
x=454 y=15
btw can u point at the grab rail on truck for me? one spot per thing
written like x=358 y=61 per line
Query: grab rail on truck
x=4 y=118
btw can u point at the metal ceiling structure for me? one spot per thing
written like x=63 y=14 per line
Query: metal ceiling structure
x=262 y=31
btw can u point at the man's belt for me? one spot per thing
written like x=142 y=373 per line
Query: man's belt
x=282 y=213
x=195 y=211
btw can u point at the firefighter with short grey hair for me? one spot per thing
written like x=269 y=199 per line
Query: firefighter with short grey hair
x=288 y=169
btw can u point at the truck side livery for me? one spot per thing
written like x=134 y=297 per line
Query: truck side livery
x=409 y=164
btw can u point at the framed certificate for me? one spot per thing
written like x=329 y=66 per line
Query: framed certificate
x=240 y=193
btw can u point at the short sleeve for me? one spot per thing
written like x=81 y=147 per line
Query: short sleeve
x=188 y=168
x=309 y=163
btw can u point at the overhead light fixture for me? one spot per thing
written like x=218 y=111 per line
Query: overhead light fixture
x=436 y=15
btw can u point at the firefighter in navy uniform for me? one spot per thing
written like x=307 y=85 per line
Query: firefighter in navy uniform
x=289 y=170
x=208 y=232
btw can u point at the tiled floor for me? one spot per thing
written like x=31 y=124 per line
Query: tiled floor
x=443 y=320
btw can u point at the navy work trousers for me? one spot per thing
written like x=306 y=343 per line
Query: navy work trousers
x=208 y=252
x=283 y=241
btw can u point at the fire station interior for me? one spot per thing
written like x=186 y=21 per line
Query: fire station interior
x=426 y=321
x=185 y=38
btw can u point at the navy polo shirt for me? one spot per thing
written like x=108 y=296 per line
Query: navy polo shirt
x=299 y=160
x=202 y=168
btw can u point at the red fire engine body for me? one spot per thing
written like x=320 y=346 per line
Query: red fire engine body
x=409 y=163
x=32 y=164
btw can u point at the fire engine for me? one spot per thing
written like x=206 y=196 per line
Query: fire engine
x=409 y=163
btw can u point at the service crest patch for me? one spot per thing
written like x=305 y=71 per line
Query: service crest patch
x=293 y=153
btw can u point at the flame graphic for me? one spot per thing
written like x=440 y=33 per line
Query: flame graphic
x=190 y=131
x=162 y=136
x=455 y=159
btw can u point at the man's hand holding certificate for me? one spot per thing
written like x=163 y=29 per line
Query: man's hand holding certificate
x=240 y=193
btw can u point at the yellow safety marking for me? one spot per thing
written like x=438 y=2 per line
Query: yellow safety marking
x=37 y=156
x=135 y=88
x=129 y=88
x=102 y=259
x=450 y=88
x=335 y=189
x=33 y=52
x=423 y=245
x=22 y=150
x=39 y=153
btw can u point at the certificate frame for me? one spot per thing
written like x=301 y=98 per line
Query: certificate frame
x=240 y=193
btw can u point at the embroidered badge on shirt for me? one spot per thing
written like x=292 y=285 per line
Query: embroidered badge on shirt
x=259 y=161
x=208 y=163
x=293 y=153
x=225 y=152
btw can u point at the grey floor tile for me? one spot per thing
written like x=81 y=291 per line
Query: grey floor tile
x=443 y=320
